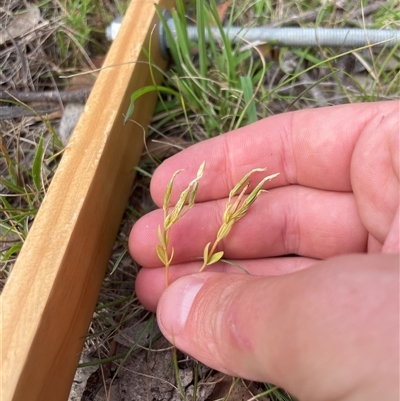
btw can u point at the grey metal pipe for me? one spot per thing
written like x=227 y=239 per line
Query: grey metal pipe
x=297 y=37
x=332 y=37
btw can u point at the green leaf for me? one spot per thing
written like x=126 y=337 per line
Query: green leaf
x=243 y=181
x=215 y=258
x=142 y=91
x=37 y=165
x=14 y=249
x=118 y=261
x=229 y=53
x=161 y=237
x=172 y=44
x=229 y=262
x=201 y=42
x=143 y=172
x=11 y=186
x=192 y=195
x=205 y=253
x=168 y=191
x=247 y=87
x=172 y=255
x=161 y=254
x=200 y=171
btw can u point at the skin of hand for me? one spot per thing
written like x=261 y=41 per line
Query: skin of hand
x=323 y=324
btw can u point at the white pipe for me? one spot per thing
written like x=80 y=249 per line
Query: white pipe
x=313 y=37
x=331 y=37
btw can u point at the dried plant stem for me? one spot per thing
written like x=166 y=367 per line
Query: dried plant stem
x=234 y=211
x=173 y=216
x=79 y=95
x=236 y=208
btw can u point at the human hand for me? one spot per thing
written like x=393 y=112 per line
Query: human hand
x=320 y=325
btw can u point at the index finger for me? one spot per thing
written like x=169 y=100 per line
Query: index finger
x=309 y=147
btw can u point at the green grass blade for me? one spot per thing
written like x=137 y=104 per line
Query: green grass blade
x=11 y=186
x=176 y=372
x=183 y=44
x=37 y=165
x=143 y=172
x=247 y=87
x=227 y=46
x=118 y=261
x=201 y=44
x=316 y=83
x=142 y=91
x=172 y=47
x=11 y=251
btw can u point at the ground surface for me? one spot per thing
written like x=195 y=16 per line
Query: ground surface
x=40 y=42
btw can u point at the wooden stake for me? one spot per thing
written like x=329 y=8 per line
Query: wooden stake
x=48 y=301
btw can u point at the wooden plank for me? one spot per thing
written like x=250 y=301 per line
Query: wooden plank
x=48 y=301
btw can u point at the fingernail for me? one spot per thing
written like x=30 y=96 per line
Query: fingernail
x=175 y=304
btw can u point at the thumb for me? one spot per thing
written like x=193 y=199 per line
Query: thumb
x=327 y=332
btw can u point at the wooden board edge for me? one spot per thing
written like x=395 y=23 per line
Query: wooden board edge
x=48 y=301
